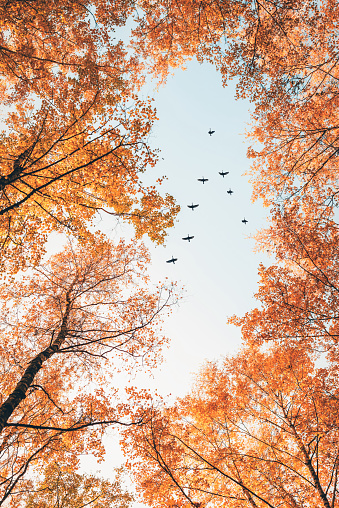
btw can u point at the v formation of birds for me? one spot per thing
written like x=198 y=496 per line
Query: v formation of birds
x=193 y=206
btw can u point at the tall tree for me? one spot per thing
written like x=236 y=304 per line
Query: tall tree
x=261 y=428
x=77 y=140
x=258 y=430
x=66 y=331
x=298 y=137
x=298 y=296
x=269 y=45
x=59 y=170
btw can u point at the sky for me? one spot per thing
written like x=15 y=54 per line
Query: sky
x=218 y=268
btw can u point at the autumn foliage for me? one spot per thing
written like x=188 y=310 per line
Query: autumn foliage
x=73 y=144
x=65 y=332
x=261 y=428
x=67 y=489
x=75 y=134
x=284 y=58
x=258 y=429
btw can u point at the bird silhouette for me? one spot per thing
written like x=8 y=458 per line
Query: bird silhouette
x=230 y=192
x=244 y=221
x=188 y=237
x=210 y=132
x=223 y=173
x=203 y=180
x=192 y=206
x=173 y=260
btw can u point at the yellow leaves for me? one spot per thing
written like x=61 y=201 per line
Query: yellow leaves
x=155 y=216
x=60 y=177
x=78 y=116
x=68 y=489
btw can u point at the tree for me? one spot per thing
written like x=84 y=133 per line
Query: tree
x=277 y=49
x=77 y=140
x=64 y=489
x=60 y=170
x=66 y=332
x=43 y=46
x=299 y=137
x=259 y=430
x=298 y=296
x=262 y=428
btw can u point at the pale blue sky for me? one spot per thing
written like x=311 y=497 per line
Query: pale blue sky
x=218 y=268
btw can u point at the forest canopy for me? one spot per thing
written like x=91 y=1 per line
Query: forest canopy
x=259 y=428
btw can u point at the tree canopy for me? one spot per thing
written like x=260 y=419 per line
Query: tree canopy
x=75 y=134
x=66 y=489
x=259 y=428
x=65 y=332
x=284 y=58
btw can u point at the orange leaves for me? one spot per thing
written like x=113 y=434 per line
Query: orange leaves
x=284 y=57
x=42 y=46
x=258 y=428
x=261 y=428
x=76 y=142
x=84 y=310
x=68 y=489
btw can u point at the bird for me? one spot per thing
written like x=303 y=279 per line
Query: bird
x=203 y=180
x=210 y=132
x=230 y=192
x=173 y=260
x=223 y=173
x=244 y=220
x=192 y=206
x=188 y=237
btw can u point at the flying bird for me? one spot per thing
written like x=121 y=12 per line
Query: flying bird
x=203 y=180
x=230 y=192
x=188 y=237
x=210 y=132
x=173 y=260
x=244 y=220
x=223 y=173
x=192 y=206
